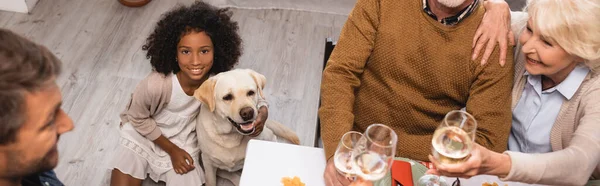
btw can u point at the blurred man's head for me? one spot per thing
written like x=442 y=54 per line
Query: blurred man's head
x=31 y=119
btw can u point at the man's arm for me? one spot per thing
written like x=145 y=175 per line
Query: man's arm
x=489 y=102
x=341 y=77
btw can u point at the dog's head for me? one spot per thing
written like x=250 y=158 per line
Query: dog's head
x=233 y=95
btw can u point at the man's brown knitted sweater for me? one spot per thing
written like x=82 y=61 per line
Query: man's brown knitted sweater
x=395 y=65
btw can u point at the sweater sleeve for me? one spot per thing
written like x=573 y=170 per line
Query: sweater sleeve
x=490 y=101
x=262 y=102
x=139 y=111
x=572 y=165
x=341 y=76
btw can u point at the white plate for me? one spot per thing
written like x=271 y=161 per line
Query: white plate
x=268 y=162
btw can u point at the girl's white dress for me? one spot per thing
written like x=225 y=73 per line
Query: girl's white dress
x=140 y=157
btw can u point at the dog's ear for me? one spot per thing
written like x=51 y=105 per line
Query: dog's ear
x=206 y=93
x=260 y=81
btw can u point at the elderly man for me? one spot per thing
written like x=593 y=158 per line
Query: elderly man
x=406 y=64
x=31 y=119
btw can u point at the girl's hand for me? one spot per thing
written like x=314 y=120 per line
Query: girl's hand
x=182 y=161
x=259 y=123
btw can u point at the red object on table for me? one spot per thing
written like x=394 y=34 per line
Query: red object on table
x=401 y=173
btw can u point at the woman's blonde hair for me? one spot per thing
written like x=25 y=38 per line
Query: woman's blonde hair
x=573 y=24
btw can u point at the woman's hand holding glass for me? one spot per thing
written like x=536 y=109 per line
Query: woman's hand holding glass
x=452 y=143
x=467 y=169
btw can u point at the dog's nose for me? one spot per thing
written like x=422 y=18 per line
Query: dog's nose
x=247 y=113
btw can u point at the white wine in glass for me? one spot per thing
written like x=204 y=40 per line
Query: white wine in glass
x=451 y=143
x=453 y=140
x=371 y=165
x=374 y=154
x=342 y=159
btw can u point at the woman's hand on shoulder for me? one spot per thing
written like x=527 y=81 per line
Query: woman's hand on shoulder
x=495 y=27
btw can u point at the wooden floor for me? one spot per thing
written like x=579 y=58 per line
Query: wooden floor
x=100 y=43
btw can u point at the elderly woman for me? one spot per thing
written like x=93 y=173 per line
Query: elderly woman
x=555 y=136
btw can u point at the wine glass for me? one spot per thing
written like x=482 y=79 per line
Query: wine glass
x=452 y=143
x=343 y=154
x=374 y=154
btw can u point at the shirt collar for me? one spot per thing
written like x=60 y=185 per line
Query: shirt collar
x=452 y=20
x=569 y=86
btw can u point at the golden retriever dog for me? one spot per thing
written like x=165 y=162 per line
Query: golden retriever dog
x=225 y=120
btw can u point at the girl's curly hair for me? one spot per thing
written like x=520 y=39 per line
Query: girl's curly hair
x=161 y=45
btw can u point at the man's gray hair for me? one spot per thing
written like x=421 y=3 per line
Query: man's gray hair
x=24 y=67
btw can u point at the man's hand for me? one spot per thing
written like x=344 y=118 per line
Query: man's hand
x=259 y=123
x=332 y=177
x=495 y=27
x=361 y=182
